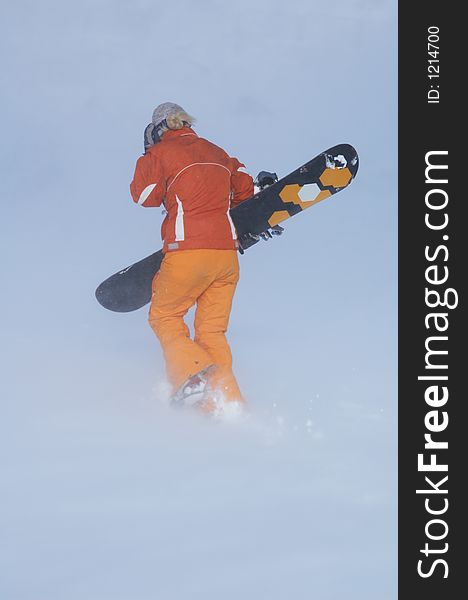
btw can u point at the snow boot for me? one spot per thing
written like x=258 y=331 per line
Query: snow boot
x=192 y=391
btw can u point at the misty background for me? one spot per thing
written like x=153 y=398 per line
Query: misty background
x=105 y=492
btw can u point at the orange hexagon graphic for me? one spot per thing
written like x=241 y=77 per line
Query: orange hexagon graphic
x=291 y=193
x=337 y=178
x=278 y=216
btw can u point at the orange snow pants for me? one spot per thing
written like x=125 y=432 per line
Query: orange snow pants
x=207 y=278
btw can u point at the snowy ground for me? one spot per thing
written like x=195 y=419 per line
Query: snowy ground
x=105 y=493
x=109 y=494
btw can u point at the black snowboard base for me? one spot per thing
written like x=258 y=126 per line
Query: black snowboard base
x=130 y=288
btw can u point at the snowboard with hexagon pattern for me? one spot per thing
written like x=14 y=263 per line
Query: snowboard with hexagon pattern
x=325 y=175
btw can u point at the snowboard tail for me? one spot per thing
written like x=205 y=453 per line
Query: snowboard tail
x=325 y=175
x=130 y=289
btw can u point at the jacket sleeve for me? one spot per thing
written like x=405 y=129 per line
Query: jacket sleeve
x=148 y=187
x=242 y=186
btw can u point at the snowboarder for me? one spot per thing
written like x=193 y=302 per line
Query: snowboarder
x=198 y=183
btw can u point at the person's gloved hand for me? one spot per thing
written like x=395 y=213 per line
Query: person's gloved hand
x=264 y=179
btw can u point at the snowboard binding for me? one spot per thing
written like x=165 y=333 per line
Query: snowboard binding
x=263 y=180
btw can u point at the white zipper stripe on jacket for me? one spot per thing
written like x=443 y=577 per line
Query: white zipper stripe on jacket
x=145 y=193
x=231 y=224
x=179 y=223
x=193 y=165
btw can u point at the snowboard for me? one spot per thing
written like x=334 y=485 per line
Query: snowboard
x=325 y=175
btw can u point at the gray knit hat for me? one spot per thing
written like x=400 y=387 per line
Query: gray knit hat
x=164 y=110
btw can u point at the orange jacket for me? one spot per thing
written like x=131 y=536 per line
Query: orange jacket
x=198 y=183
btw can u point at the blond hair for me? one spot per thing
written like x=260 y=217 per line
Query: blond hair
x=178 y=119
